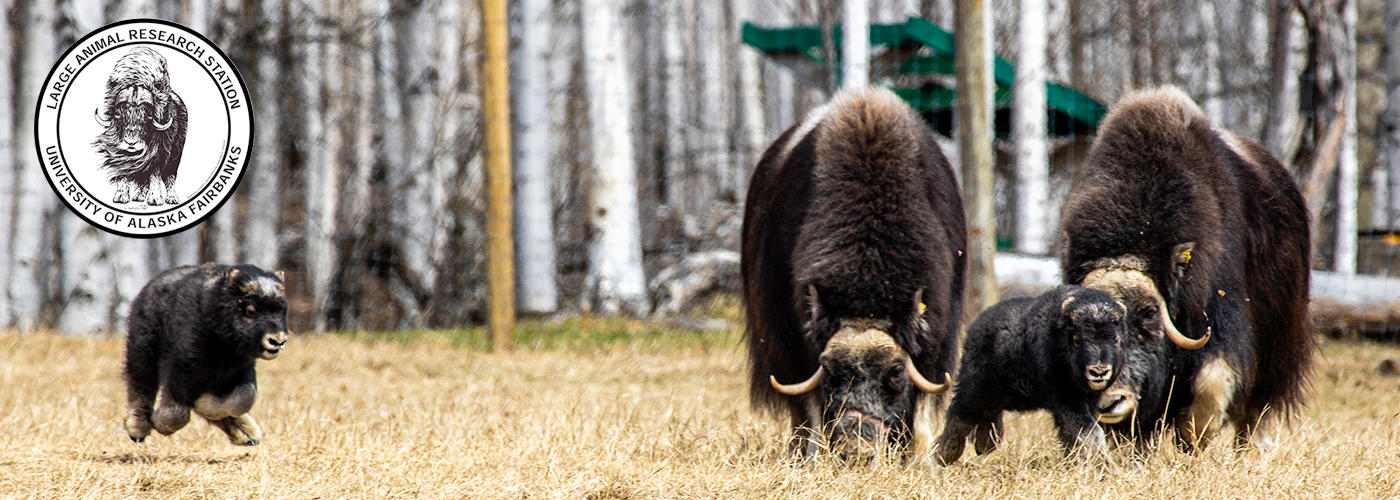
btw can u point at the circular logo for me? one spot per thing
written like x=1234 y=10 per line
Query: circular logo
x=143 y=128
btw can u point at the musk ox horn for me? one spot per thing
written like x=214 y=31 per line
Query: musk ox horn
x=799 y=388
x=170 y=120
x=97 y=115
x=1177 y=337
x=922 y=383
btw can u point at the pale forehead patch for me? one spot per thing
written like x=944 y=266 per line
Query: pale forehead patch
x=863 y=334
x=264 y=285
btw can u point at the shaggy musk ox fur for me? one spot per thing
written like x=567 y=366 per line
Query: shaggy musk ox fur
x=1055 y=352
x=144 y=124
x=853 y=275
x=193 y=336
x=1170 y=214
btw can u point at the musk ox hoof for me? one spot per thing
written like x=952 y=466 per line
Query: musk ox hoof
x=121 y=198
x=154 y=201
x=171 y=198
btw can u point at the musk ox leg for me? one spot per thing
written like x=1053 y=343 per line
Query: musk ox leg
x=242 y=430
x=954 y=438
x=138 y=192
x=807 y=437
x=236 y=402
x=1082 y=437
x=1213 y=391
x=153 y=197
x=142 y=374
x=138 y=420
x=987 y=436
x=925 y=408
x=123 y=194
x=170 y=416
x=170 y=196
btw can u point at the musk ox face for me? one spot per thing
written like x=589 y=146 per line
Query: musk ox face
x=1149 y=326
x=144 y=123
x=1094 y=324
x=866 y=384
x=259 y=314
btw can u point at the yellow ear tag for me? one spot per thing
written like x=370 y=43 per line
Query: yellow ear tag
x=922 y=308
x=1186 y=257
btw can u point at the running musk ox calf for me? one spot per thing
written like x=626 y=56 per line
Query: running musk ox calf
x=144 y=124
x=852 y=264
x=193 y=335
x=1054 y=352
x=1200 y=232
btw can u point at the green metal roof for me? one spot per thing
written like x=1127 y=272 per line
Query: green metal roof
x=800 y=47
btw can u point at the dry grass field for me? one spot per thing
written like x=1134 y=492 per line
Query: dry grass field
x=597 y=409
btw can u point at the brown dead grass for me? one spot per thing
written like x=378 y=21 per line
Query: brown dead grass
x=428 y=418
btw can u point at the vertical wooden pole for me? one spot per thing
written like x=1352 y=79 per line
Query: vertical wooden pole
x=495 y=106
x=975 y=150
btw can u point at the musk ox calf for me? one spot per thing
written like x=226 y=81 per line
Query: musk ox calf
x=193 y=336
x=1055 y=352
x=852 y=264
x=1203 y=235
x=144 y=123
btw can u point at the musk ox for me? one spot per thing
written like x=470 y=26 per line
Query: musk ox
x=1056 y=352
x=1204 y=236
x=853 y=268
x=144 y=124
x=193 y=336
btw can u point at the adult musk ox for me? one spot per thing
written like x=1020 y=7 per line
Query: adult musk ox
x=193 y=336
x=144 y=124
x=852 y=263
x=1204 y=236
x=1056 y=352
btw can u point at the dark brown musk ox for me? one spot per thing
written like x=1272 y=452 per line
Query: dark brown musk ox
x=194 y=336
x=144 y=123
x=853 y=270
x=1056 y=352
x=1204 y=236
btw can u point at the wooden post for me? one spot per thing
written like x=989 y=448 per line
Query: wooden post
x=495 y=104
x=974 y=114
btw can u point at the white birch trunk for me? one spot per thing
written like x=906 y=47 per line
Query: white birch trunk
x=415 y=214
x=8 y=151
x=755 y=134
x=33 y=199
x=1032 y=155
x=711 y=110
x=1391 y=118
x=855 y=44
x=131 y=9
x=533 y=142
x=221 y=234
x=678 y=21
x=260 y=239
x=1282 y=131
x=1345 y=257
x=615 y=278
x=318 y=81
x=1211 y=103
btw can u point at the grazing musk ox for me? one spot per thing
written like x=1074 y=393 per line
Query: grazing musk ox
x=852 y=263
x=1198 y=231
x=193 y=336
x=1057 y=351
x=144 y=124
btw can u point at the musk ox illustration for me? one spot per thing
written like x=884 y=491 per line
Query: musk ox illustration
x=853 y=268
x=1204 y=236
x=1056 y=352
x=144 y=124
x=193 y=336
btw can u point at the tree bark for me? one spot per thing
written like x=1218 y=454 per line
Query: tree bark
x=974 y=116
x=34 y=203
x=9 y=149
x=417 y=185
x=1032 y=158
x=1283 y=128
x=755 y=134
x=534 y=211
x=615 y=279
x=260 y=245
x=855 y=44
x=1347 y=168
x=319 y=85
x=1391 y=118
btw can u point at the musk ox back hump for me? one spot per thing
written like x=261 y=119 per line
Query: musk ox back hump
x=871 y=234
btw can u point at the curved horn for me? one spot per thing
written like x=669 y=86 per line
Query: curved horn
x=922 y=383
x=1175 y=335
x=799 y=388
x=168 y=122
x=97 y=115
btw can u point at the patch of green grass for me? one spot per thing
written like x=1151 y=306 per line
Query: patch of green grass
x=584 y=333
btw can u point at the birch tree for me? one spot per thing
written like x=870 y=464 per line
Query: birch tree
x=1032 y=157
x=260 y=238
x=1347 y=168
x=221 y=241
x=615 y=280
x=8 y=151
x=1282 y=128
x=34 y=202
x=318 y=83
x=754 y=138
x=1391 y=118
x=417 y=199
x=353 y=207
x=533 y=143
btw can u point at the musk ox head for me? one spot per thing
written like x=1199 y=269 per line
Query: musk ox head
x=1092 y=324
x=256 y=303
x=866 y=384
x=1127 y=279
x=144 y=121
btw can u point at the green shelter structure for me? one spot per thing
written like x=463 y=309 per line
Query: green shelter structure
x=918 y=59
